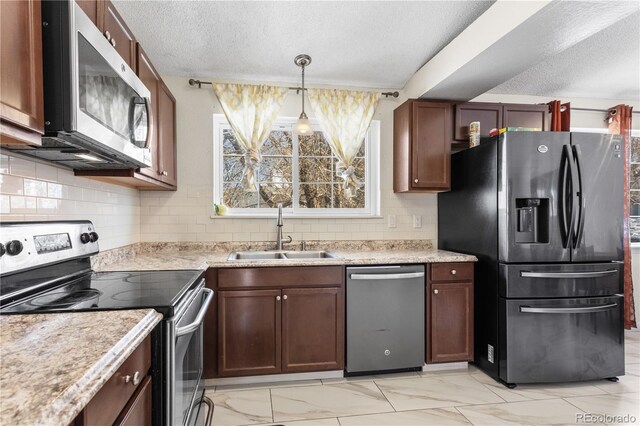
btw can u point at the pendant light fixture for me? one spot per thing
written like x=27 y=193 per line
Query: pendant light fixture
x=302 y=127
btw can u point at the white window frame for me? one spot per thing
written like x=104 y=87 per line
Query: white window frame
x=371 y=178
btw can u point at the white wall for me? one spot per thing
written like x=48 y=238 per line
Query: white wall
x=34 y=190
x=185 y=215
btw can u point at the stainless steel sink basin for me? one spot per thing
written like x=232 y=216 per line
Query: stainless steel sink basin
x=309 y=255
x=280 y=255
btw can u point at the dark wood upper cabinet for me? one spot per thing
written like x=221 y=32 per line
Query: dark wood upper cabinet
x=422 y=146
x=93 y=9
x=313 y=329
x=249 y=332
x=449 y=313
x=21 y=99
x=498 y=115
x=119 y=35
x=150 y=78
x=166 y=129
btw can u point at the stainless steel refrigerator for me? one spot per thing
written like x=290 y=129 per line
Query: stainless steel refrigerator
x=543 y=212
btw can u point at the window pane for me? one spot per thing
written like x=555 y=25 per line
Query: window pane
x=634 y=200
x=275 y=169
x=315 y=169
x=315 y=196
x=635 y=150
x=229 y=143
x=314 y=145
x=634 y=178
x=235 y=196
x=233 y=167
x=273 y=193
x=340 y=201
x=362 y=149
x=279 y=143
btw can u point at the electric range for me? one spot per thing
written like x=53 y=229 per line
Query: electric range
x=45 y=267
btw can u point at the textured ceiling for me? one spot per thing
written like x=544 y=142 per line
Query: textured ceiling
x=362 y=44
x=605 y=66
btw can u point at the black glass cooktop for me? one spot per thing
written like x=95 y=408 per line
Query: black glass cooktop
x=160 y=290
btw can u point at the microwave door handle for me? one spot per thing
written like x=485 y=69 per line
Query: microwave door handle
x=190 y=328
x=150 y=123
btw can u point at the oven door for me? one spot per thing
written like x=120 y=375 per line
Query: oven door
x=187 y=359
x=111 y=104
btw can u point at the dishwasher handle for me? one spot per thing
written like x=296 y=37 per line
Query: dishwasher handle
x=387 y=276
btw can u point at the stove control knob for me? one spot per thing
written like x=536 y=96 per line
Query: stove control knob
x=2 y=250
x=85 y=238
x=93 y=236
x=14 y=247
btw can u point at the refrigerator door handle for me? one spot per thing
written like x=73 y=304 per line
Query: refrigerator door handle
x=585 y=310
x=594 y=274
x=567 y=179
x=581 y=196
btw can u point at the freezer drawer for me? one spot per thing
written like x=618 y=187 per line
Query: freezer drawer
x=561 y=340
x=385 y=318
x=561 y=280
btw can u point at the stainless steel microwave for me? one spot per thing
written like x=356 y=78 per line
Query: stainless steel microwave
x=97 y=111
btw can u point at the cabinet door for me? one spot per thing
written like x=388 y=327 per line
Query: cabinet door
x=488 y=114
x=533 y=116
x=21 y=102
x=249 y=332
x=450 y=322
x=92 y=9
x=431 y=145
x=313 y=329
x=138 y=412
x=166 y=135
x=150 y=78
x=120 y=36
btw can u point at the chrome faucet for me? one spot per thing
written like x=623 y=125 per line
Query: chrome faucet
x=279 y=225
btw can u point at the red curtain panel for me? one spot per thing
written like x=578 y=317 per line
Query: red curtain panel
x=565 y=117
x=554 y=110
x=620 y=124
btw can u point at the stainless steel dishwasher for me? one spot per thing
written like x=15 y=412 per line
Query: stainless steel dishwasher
x=385 y=318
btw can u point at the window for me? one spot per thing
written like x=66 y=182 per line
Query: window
x=297 y=171
x=634 y=189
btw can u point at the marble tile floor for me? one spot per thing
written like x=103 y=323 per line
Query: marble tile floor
x=451 y=397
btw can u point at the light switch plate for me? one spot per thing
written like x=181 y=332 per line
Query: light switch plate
x=392 y=221
x=417 y=221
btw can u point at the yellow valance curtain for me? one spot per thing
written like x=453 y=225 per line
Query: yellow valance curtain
x=251 y=111
x=345 y=116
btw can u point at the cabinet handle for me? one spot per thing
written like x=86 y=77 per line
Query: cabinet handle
x=278 y=298
x=135 y=380
x=435 y=291
x=107 y=34
x=113 y=42
x=284 y=297
x=415 y=180
x=453 y=272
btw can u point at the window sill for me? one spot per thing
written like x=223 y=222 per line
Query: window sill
x=288 y=216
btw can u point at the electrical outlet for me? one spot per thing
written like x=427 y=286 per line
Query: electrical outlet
x=417 y=221
x=392 y=221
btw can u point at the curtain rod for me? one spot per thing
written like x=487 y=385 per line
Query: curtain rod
x=193 y=82
x=598 y=110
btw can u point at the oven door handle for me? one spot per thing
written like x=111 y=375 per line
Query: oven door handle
x=190 y=328
x=585 y=310
x=387 y=276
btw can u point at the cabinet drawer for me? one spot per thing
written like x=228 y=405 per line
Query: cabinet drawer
x=461 y=271
x=138 y=410
x=295 y=276
x=107 y=404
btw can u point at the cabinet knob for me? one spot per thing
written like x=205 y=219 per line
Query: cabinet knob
x=415 y=180
x=278 y=298
x=107 y=34
x=453 y=272
x=113 y=42
x=165 y=173
x=284 y=297
x=135 y=380
x=435 y=291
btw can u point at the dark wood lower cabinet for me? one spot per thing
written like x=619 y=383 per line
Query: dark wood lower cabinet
x=276 y=320
x=138 y=411
x=449 y=322
x=249 y=332
x=312 y=329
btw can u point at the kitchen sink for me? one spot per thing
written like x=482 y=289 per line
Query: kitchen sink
x=280 y=255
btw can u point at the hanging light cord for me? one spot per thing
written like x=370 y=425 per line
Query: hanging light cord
x=303 y=113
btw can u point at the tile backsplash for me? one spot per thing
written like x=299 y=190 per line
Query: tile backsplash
x=34 y=190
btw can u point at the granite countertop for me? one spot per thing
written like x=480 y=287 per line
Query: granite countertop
x=199 y=256
x=51 y=365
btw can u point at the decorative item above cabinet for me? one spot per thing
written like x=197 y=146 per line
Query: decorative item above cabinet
x=422 y=146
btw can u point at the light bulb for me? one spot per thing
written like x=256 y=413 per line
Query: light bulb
x=302 y=127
